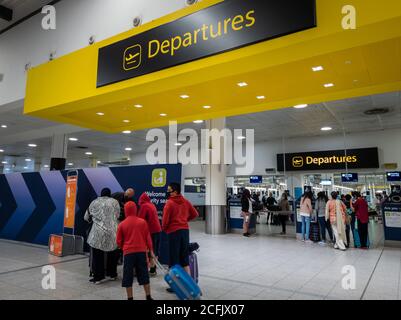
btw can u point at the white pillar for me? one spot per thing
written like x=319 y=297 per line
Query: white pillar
x=58 y=153
x=216 y=182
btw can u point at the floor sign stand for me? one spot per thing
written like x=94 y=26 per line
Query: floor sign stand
x=68 y=243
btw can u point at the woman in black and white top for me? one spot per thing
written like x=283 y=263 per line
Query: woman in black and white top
x=246 y=204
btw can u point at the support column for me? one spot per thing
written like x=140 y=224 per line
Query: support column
x=216 y=201
x=37 y=166
x=58 y=152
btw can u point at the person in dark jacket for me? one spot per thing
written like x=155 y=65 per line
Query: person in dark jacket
x=246 y=208
x=123 y=198
x=270 y=202
x=284 y=206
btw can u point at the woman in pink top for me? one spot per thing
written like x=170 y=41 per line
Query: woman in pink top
x=335 y=212
x=306 y=213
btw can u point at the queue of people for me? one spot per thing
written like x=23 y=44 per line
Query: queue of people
x=337 y=217
x=118 y=226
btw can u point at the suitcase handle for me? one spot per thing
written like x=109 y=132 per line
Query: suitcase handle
x=160 y=266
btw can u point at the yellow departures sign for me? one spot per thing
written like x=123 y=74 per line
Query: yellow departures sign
x=205 y=33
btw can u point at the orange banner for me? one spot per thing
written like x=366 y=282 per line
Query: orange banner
x=70 y=200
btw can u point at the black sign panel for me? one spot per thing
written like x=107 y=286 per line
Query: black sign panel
x=329 y=160
x=225 y=26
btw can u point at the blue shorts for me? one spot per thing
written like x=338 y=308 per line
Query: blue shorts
x=179 y=248
x=138 y=262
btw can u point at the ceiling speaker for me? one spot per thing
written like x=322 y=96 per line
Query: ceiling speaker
x=137 y=21
x=190 y=2
x=91 y=40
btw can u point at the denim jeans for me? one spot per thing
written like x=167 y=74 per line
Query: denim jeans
x=305 y=227
x=322 y=225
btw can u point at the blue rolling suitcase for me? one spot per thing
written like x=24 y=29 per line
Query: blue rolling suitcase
x=181 y=283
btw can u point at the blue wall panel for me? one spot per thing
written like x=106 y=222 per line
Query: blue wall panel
x=32 y=204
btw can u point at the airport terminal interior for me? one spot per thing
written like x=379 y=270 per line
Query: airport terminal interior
x=309 y=106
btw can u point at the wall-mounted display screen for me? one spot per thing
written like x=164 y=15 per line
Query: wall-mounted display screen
x=349 y=177
x=393 y=176
x=255 y=179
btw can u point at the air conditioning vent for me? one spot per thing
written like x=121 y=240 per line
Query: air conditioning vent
x=377 y=111
x=82 y=147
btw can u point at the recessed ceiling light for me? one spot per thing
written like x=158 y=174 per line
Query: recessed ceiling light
x=3 y=126
x=198 y=121
x=73 y=139
x=126 y=121
x=4 y=162
x=128 y=149
x=242 y=84
x=28 y=160
x=317 y=68
x=100 y=114
x=25 y=168
x=326 y=129
x=329 y=85
x=348 y=62
x=32 y=145
x=356 y=80
x=88 y=153
x=206 y=107
x=177 y=144
x=138 y=106
x=70 y=164
x=1 y=150
x=46 y=166
x=163 y=114
x=7 y=169
x=260 y=97
x=184 y=96
x=126 y=132
x=300 y=106
x=241 y=138
x=98 y=162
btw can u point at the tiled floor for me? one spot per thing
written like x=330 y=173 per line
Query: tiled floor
x=266 y=266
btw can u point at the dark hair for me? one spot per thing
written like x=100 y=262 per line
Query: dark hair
x=176 y=187
x=322 y=196
x=308 y=194
x=348 y=197
x=358 y=194
x=284 y=196
x=106 y=192
x=246 y=194
x=334 y=195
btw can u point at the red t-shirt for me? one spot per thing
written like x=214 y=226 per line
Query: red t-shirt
x=362 y=210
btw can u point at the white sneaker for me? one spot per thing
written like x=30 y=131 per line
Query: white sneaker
x=335 y=246
x=322 y=243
